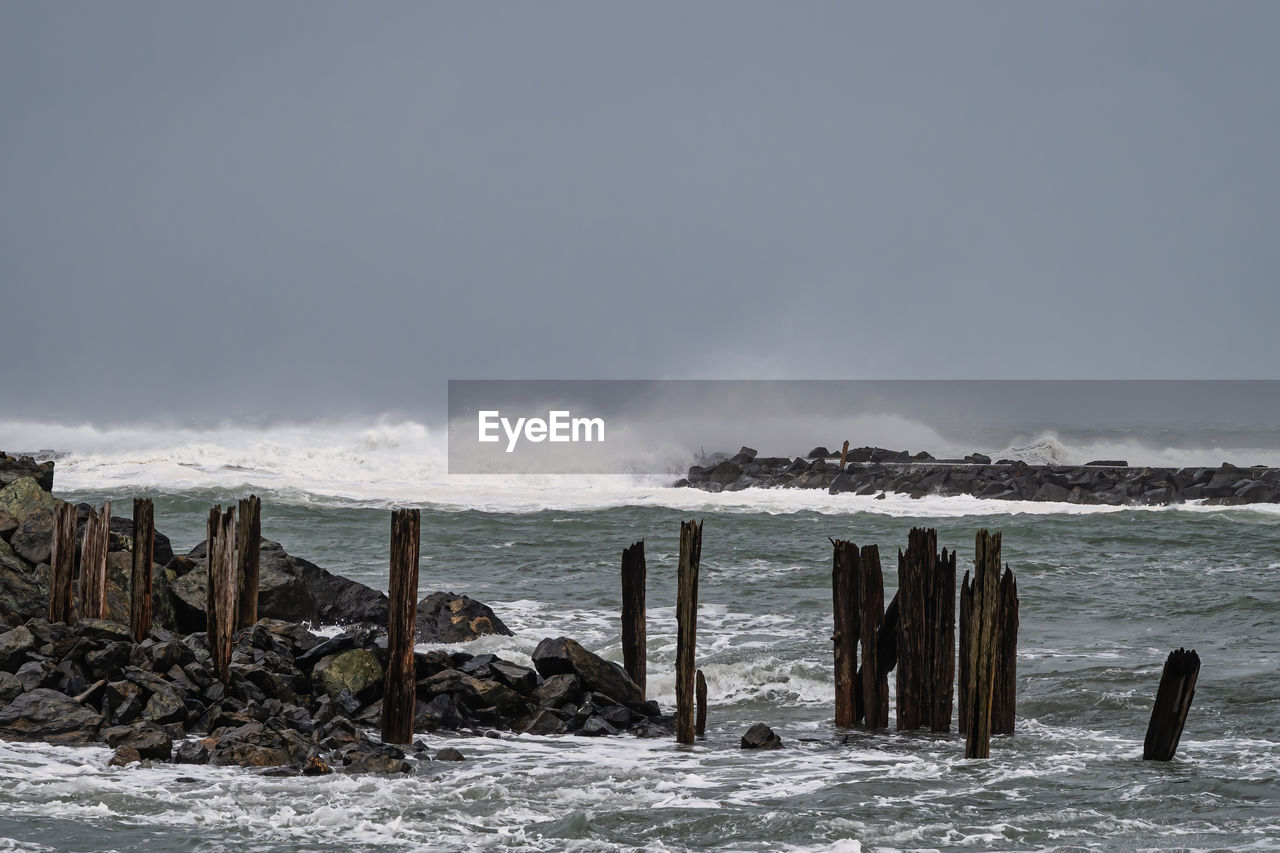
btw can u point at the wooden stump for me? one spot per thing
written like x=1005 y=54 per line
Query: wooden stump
x=1004 y=693
x=962 y=680
x=983 y=637
x=144 y=533
x=687 y=627
x=248 y=541
x=633 y=613
x=845 y=582
x=940 y=646
x=700 y=724
x=1173 y=701
x=875 y=681
x=221 y=582
x=62 y=563
x=398 y=698
x=93 y=563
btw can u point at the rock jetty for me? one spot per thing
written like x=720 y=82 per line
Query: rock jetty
x=297 y=701
x=877 y=471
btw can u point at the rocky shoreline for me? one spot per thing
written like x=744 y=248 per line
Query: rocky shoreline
x=877 y=471
x=298 y=701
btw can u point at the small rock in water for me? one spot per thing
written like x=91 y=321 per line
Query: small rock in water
x=761 y=736
x=125 y=755
x=450 y=754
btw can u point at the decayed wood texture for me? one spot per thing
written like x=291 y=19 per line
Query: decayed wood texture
x=144 y=532
x=221 y=589
x=875 y=682
x=1004 y=691
x=398 y=698
x=845 y=581
x=248 y=539
x=700 y=724
x=687 y=627
x=93 y=563
x=62 y=563
x=1173 y=701
x=983 y=637
x=633 y=613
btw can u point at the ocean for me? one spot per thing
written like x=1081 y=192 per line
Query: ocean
x=1106 y=593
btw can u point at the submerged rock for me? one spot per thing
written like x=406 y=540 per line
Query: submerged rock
x=761 y=736
x=443 y=617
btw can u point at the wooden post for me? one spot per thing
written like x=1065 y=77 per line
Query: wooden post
x=93 y=563
x=983 y=636
x=248 y=537
x=915 y=567
x=687 y=627
x=221 y=599
x=844 y=453
x=700 y=724
x=962 y=680
x=875 y=683
x=845 y=580
x=886 y=656
x=633 y=613
x=941 y=642
x=398 y=696
x=1173 y=701
x=144 y=532
x=62 y=563
x=1004 y=694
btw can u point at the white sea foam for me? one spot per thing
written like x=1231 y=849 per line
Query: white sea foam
x=384 y=461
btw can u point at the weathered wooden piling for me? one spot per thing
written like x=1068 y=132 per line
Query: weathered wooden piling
x=1004 y=691
x=398 y=697
x=248 y=540
x=874 y=679
x=700 y=723
x=845 y=583
x=844 y=454
x=62 y=563
x=982 y=635
x=1173 y=701
x=93 y=563
x=962 y=678
x=220 y=599
x=633 y=613
x=926 y=633
x=144 y=532
x=687 y=627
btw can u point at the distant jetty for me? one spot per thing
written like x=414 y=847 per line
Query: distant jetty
x=875 y=471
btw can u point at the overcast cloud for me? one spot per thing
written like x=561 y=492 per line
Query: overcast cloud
x=321 y=208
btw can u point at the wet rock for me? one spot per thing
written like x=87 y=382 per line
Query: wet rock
x=356 y=671
x=48 y=716
x=191 y=752
x=24 y=496
x=563 y=656
x=10 y=687
x=521 y=679
x=558 y=690
x=33 y=540
x=761 y=736
x=596 y=726
x=37 y=673
x=146 y=739
x=443 y=617
x=125 y=755
x=8 y=524
x=448 y=753
x=14 y=645
x=441 y=712
x=543 y=722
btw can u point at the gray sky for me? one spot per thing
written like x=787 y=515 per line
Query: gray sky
x=317 y=208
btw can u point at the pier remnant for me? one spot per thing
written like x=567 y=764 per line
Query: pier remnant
x=845 y=583
x=633 y=613
x=981 y=632
x=144 y=532
x=874 y=678
x=93 y=563
x=926 y=633
x=687 y=627
x=62 y=563
x=1173 y=701
x=220 y=598
x=398 y=695
x=248 y=539
x=1004 y=693
x=700 y=724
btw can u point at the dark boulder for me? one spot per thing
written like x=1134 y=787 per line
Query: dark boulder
x=443 y=617
x=33 y=540
x=761 y=736
x=47 y=715
x=12 y=469
x=24 y=496
x=149 y=740
x=14 y=645
x=818 y=452
x=562 y=656
x=8 y=524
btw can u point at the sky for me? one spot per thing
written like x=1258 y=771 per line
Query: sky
x=309 y=208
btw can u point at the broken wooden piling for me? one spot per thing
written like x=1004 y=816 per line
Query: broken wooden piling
x=62 y=563
x=633 y=613
x=874 y=679
x=93 y=563
x=248 y=539
x=398 y=696
x=220 y=599
x=1004 y=690
x=687 y=627
x=1173 y=701
x=144 y=531
x=700 y=723
x=982 y=635
x=926 y=633
x=845 y=581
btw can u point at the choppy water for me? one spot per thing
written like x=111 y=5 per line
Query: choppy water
x=1105 y=593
